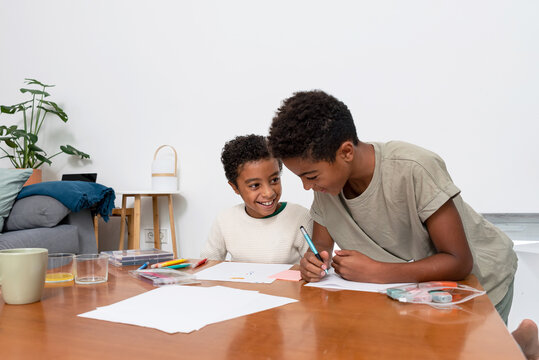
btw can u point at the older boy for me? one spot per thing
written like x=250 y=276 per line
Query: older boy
x=261 y=229
x=392 y=208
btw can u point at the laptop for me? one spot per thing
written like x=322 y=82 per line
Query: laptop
x=88 y=177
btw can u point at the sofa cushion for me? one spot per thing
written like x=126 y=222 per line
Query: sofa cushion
x=11 y=182
x=35 y=212
x=59 y=239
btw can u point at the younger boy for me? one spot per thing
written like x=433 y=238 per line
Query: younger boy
x=261 y=229
x=392 y=207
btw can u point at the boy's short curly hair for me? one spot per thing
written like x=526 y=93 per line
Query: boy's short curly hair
x=311 y=124
x=243 y=149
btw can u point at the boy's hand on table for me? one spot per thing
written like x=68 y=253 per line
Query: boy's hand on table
x=353 y=265
x=312 y=269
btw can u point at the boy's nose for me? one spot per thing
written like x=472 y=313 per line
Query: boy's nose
x=268 y=192
x=306 y=184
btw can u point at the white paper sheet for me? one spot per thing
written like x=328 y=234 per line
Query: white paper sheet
x=176 y=308
x=334 y=281
x=242 y=272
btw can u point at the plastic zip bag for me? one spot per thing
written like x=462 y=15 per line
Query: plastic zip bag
x=439 y=294
x=164 y=276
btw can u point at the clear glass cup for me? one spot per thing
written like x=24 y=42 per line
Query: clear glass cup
x=91 y=268
x=59 y=268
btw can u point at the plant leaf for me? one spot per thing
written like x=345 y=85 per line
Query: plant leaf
x=42 y=158
x=68 y=149
x=32 y=137
x=11 y=144
x=8 y=109
x=35 y=92
x=35 y=82
x=58 y=111
x=35 y=148
x=12 y=109
x=62 y=115
x=20 y=133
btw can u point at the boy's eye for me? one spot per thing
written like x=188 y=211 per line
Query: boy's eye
x=311 y=178
x=253 y=186
x=275 y=180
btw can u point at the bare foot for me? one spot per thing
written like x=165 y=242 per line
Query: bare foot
x=526 y=336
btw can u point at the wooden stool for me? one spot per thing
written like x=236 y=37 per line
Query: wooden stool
x=136 y=217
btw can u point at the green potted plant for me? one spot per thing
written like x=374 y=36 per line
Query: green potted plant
x=19 y=144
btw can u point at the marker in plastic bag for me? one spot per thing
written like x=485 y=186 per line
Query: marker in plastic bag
x=437 y=284
x=415 y=296
x=395 y=293
x=441 y=296
x=311 y=245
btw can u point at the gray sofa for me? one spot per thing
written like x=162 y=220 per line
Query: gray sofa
x=44 y=222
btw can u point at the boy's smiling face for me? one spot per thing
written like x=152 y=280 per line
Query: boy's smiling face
x=321 y=176
x=259 y=185
x=351 y=171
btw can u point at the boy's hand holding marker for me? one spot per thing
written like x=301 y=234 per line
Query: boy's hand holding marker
x=314 y=258
x=312 y=269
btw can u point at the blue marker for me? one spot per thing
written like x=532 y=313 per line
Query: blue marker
x=311 y=245
x=144 y=266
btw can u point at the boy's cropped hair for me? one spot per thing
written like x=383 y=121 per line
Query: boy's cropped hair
x=241 y=150
x=311 y=124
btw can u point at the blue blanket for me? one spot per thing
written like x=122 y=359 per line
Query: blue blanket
x=75 y=195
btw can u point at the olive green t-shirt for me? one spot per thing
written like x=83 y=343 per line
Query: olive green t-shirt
x=387 y=221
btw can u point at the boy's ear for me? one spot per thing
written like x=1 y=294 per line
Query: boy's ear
x=234 y=187
x=346 y=151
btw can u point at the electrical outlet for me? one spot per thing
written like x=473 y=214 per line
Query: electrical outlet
x=149 y=236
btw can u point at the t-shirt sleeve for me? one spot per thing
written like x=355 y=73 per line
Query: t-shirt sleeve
x=215 y=248
x=317 y=210
x=433 y=186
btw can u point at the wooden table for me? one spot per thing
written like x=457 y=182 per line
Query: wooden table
x=137 y=195
x=322 y=325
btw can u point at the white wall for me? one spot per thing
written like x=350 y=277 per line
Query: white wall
x=458 y=77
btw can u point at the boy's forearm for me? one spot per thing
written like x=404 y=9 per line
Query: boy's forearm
x=439 y=266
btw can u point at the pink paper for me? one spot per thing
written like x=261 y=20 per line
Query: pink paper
x=292 y=275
